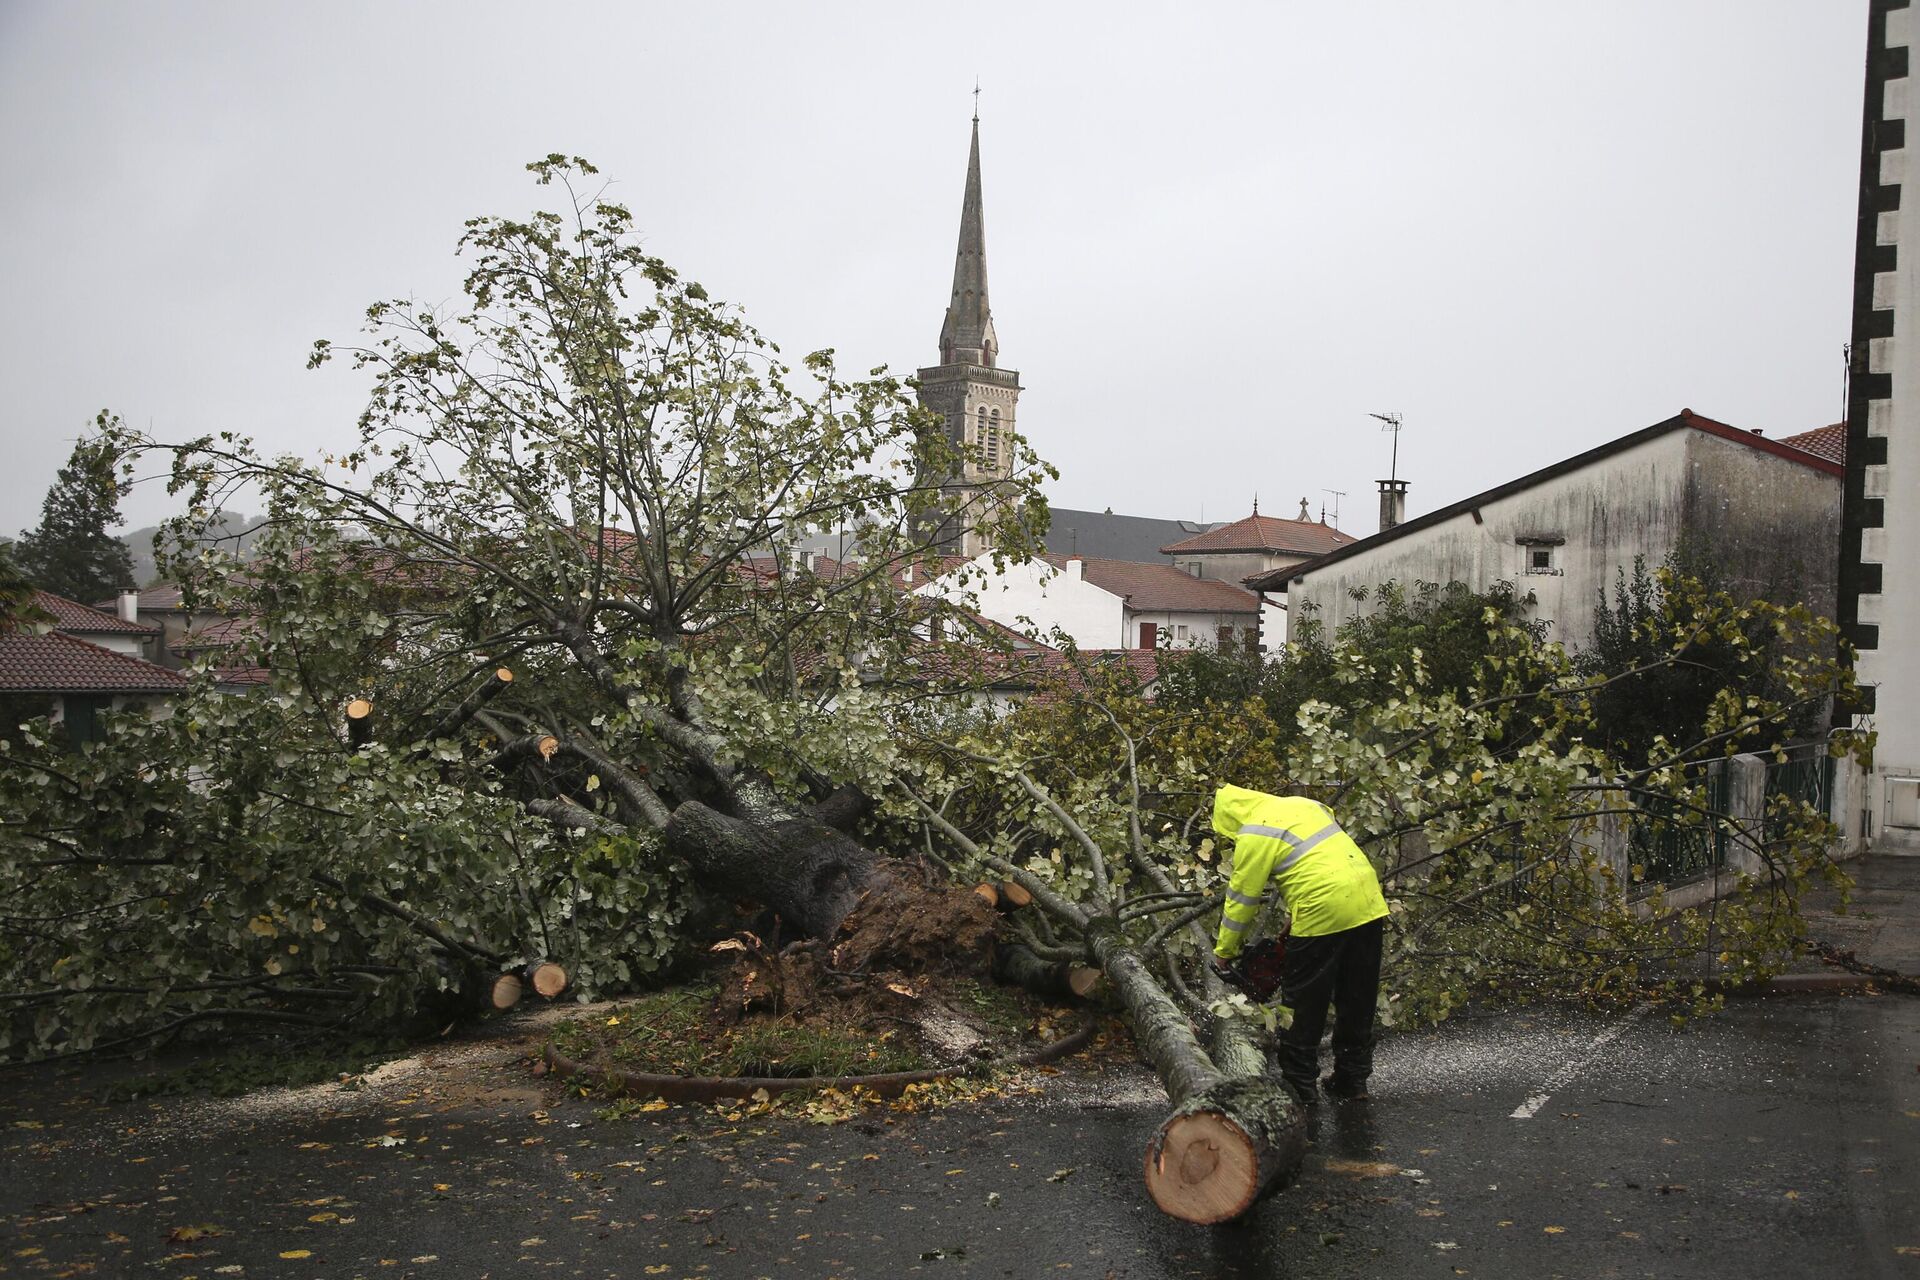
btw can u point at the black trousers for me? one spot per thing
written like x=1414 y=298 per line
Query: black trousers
x=1341 y=969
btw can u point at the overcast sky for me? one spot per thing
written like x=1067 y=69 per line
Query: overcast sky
x=1219 y=236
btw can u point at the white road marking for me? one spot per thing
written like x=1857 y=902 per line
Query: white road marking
x=1564 y=1076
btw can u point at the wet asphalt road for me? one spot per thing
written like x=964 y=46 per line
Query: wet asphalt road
x=1779 y=1139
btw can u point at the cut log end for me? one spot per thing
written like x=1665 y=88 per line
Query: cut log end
x=548 y=978
x=547 y=746
x=1203 y=1168
x=505 y=992
x=503 y=674
x=1081 y=980
x=1014 y=894
x=359 y=709
x=988 y=894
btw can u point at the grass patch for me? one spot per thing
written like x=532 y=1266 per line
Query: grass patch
x=675 y=1032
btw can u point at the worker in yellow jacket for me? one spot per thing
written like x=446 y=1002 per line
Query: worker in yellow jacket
x=1336 y=914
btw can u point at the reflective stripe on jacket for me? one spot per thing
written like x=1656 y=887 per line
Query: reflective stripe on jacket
x=1321 y=874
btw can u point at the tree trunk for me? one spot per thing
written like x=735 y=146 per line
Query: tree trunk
x=1221 y=1149
x=1018 y=966
x=807 y=873
x=1233 y=1134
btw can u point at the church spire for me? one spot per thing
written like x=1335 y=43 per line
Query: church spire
x=967 y=335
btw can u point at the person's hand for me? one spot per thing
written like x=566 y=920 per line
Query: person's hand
x=1222 y=966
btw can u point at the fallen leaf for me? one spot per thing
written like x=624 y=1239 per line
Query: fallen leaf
x=1445 y=1244
x=1554 y=1231
x=183 y=1235
x=1060 y=1175
x=294 y=1255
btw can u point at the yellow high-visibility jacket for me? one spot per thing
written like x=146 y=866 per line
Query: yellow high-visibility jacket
x=1324 y=878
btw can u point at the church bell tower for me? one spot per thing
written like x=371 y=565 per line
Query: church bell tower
x=972 y=394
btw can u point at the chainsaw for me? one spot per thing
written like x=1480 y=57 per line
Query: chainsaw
x=1257 y=969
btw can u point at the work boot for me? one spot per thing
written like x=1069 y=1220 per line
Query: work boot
x=1341 y=1089
x=1303 y=1092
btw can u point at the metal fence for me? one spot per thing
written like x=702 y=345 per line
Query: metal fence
x=1670 y=842
x=1806 y=776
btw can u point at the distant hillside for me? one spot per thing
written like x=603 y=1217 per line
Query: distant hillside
x=229 y=528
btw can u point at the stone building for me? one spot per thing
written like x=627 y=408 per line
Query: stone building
x=1879 y=604
x=968 y=389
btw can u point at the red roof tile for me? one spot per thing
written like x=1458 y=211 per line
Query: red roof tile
x=85 y=620
x=1822 y=442
x=56 y=663
x=1269 y=534
x=223 y=634
x=1156 y=587
x=161 y=595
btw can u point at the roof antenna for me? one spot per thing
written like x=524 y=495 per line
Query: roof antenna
x=1337 y=495
x=1393 y=424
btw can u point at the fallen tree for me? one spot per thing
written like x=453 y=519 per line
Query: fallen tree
x=546 y=644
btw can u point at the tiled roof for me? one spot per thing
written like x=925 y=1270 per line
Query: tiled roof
x=85 y=620
x=1107 y=536
x=56 y=663
x=1155 y=587
x=231 y=676
x=1822 y=442
x=159 y=596
x=223 y=634
x=1258 y=533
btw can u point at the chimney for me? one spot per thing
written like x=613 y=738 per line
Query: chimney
x=1074 y=567
x=1393 y=503
x=129 y=606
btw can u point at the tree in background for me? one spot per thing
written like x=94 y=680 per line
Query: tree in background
x=72 y=554
x=1449 y=630
x=1670 y=668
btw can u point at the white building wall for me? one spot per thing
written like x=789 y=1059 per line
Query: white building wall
x=1893 y=666
x=1034 y=598
x=1604 y=514
x=1201 y=628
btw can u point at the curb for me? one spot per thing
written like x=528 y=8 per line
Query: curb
x=713 y=1088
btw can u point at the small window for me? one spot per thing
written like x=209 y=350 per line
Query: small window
x=1180 y=633
x=1539 y=560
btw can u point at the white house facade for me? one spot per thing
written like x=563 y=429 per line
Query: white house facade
x=1768 y=514
x=1103 y=604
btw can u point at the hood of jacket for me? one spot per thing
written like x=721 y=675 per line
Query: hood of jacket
x=1234 y=807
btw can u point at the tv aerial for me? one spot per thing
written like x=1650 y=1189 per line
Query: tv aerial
x=1392 y=421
